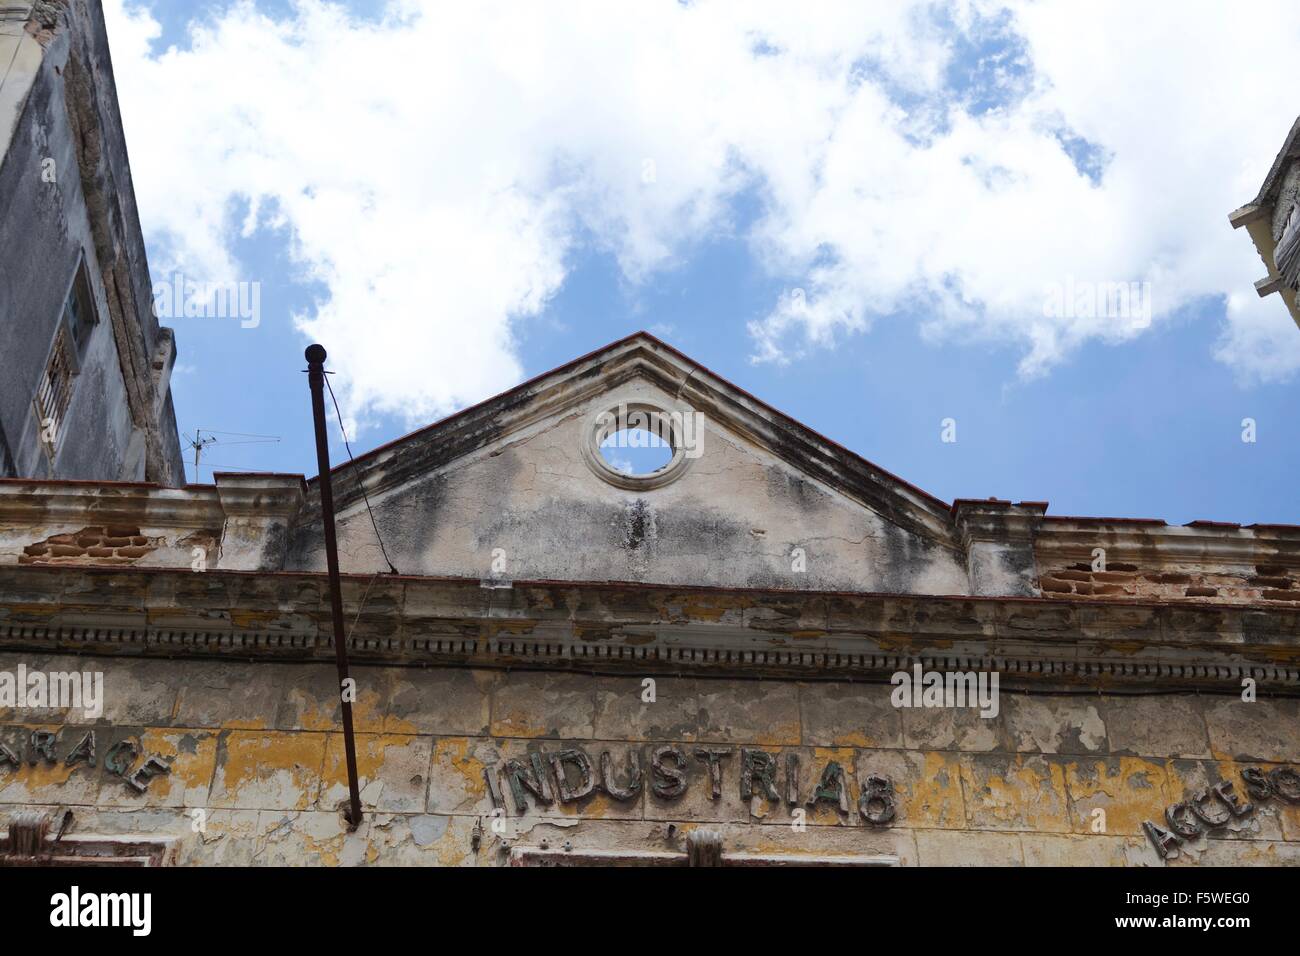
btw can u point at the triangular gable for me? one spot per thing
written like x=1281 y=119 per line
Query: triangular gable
x=642 y=354
x=507 y=474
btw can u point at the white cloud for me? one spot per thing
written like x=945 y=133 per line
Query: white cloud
x=435 y=170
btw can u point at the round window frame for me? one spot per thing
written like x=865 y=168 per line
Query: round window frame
x=598 y=429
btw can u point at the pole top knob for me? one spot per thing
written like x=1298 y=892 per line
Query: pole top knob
x=315 y=354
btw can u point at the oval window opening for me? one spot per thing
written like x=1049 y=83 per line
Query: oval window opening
x=636 y=451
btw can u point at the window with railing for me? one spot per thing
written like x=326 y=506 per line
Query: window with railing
x=71 y=341
x=54 y=393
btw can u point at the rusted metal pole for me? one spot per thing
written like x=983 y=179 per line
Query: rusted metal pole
x=316 y=380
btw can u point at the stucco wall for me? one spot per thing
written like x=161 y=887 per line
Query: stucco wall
x=734 y=517
x=256 y=747
x=67 y=196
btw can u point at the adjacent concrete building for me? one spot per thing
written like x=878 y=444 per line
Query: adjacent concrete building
x=84 y=391
x=1273 y=220
x=765 y=651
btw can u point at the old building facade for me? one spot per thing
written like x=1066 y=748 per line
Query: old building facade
x=1272 y=219
x=766 y=651
x=85 y=391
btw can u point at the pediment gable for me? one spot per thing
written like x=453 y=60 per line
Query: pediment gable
x=511 y=488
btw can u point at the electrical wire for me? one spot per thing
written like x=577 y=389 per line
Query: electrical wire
x=213 y=431
x=360 y=483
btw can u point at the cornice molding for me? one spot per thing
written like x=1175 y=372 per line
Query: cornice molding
x=1210 y=544
x=24 y=503
x=638 y=629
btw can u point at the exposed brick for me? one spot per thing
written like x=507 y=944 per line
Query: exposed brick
x=1202 y=592
x=1281 y=595
x=133 y=552
x=121 y=531
x=117 y=542
x=1073 y=575
x=1280 y=583
x=1058 y=587
x=1113 y=576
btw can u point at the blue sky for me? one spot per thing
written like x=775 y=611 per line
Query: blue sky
x=1141 y=422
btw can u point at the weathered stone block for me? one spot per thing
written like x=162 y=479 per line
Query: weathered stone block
x=310 y=839
x=952 y=728
x=426 y=839
x=927 y=786
x=312 y=700
x=138 y=692
x=1288 y=814
x=1053 y=723
x=1050 y=849
x=534 y=704
x=762 y=713
x=1264 y=729
x=268 y=770
x=1128 y=790
x=956 y=848
x=1163 y=726
x=216 y=695
x=1213 y=852
x=225 y=838
x=456 y=782
x=842 y=714
x=438 y=700
x=392 y=772
x=622 y=713
x=1015 y=793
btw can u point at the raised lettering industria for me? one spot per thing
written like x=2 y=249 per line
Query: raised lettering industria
x=570 y=775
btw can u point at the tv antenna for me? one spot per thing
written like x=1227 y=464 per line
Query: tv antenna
x=211 y=436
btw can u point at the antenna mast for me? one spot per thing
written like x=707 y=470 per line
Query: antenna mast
x=197 y=443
